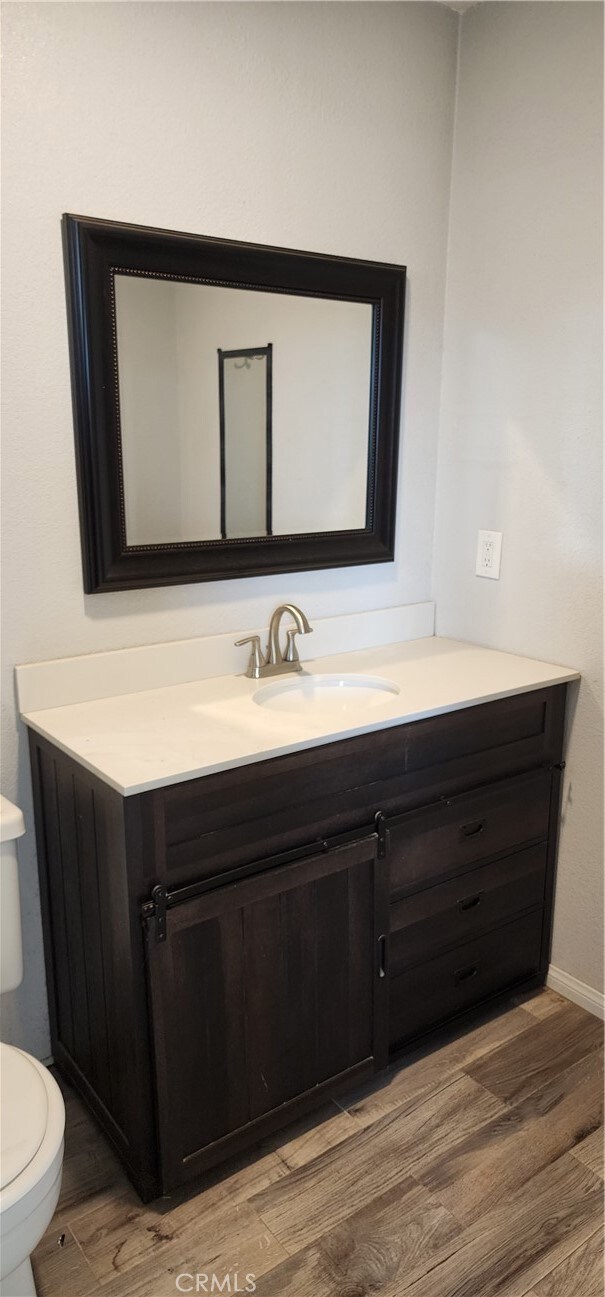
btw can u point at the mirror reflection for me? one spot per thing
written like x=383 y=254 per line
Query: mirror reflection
x=245 y=406
x=272 y=440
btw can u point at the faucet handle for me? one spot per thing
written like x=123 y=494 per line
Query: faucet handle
x=256 y=658
x=291 y=654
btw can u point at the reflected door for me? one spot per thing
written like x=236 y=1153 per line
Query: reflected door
x=245 y=403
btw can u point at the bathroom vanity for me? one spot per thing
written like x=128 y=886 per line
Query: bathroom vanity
x=230 y=944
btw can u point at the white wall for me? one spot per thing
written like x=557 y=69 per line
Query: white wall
x=318 y=126
x=522 y=399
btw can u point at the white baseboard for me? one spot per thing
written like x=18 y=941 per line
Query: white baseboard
x=579 y=992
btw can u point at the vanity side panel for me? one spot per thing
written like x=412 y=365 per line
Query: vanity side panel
x=53 y=926
x=557 y=743
x=94 y=951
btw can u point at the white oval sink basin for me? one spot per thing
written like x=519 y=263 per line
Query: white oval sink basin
x=341 y=695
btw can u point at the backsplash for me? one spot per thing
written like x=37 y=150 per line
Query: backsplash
x=123 y=671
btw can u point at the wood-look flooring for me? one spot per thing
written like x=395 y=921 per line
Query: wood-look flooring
x=472 y=1169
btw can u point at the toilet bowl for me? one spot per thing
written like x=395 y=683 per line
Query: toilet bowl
x=32 y=1125
x=32 y=1112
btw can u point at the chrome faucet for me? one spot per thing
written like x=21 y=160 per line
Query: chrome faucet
x=274 y=662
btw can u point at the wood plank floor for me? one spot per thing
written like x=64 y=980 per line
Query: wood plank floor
x=473 y=1169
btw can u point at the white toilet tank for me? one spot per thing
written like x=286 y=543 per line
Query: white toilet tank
x=12 y=826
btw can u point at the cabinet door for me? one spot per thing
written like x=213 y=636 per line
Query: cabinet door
x=265 y=996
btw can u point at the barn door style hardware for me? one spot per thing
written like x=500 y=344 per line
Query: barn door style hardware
x=154 y=911
x=380 y=820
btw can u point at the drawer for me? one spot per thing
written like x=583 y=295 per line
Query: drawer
x=425 y=924
x=452 y=835
x=205 y=826
x=426 y=995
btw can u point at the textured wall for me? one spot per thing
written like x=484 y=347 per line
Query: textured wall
x=325 y=127
x=522 y=401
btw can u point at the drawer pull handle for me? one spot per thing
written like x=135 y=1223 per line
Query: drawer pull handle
x=470 y=902
x=465 y=974
x=473 y=829
x=382 y=955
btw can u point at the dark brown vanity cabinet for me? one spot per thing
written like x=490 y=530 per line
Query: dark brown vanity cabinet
x=264 y=994
x=455 y=935
x=225 y=953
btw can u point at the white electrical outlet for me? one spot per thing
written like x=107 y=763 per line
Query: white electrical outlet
x=489 y=553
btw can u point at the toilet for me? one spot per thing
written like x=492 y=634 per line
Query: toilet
x=32 y=1112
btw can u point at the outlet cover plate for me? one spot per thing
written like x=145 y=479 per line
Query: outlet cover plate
x=489 y=554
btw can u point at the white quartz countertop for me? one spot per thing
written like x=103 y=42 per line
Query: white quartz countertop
x=139 y=741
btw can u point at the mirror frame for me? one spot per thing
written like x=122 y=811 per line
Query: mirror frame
x=94 y=251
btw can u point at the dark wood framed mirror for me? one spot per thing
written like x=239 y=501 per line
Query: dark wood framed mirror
x=182 y=478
